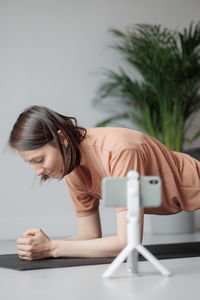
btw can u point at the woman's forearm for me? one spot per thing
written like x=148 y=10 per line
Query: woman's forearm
x=81 y=237
x=101 y=247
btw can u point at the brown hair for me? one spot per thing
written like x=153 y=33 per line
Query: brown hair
x=38 y=125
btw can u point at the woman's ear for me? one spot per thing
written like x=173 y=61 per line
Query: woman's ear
x=62 y=138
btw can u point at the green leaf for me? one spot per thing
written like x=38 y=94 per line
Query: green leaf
x=166 y=96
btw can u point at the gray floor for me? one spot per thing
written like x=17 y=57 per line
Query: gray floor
x=86 y=282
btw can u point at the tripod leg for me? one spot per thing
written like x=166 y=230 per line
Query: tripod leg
x=132 y=261
x=117 y=262
x=150 y=257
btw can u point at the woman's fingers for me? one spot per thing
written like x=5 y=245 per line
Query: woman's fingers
x=24 y=247
x=24 y=241
x=31 y=256
x=24 y=251
x=34 y=244
x=30 y=232
x=25 y=235
x=23 y=254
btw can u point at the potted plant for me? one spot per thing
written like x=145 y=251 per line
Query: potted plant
x=164 y=99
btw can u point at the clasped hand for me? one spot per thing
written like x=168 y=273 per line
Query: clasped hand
x=34 y=244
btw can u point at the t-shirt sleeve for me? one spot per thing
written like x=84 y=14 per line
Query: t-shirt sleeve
x=84 y=204
x=127 y=160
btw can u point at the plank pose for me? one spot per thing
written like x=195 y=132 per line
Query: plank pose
x=58 y=148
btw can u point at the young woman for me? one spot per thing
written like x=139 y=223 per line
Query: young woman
x=58 y=148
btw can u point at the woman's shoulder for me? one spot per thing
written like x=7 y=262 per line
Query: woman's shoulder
x=114 y=138
x=115 y=132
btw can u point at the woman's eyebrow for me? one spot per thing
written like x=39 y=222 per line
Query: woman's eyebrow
x=33 y=158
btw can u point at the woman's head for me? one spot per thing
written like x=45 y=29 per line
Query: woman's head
x=39 y=131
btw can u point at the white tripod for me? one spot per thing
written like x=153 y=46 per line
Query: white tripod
x=133 y=234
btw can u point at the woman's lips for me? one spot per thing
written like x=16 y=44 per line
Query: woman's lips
x=50 y=174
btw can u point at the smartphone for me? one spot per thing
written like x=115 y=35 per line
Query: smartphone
x=114 y=191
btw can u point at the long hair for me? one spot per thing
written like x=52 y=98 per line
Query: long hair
x=38 y=125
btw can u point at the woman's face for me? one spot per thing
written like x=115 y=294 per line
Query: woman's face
x=44 y=160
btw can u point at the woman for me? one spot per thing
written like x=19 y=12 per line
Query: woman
x=57 y=148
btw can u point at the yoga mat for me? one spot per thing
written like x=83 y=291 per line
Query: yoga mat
x=161 y=251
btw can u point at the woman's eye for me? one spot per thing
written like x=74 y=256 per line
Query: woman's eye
x=39 y=161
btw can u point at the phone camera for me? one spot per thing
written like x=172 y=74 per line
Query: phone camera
x=153 y=181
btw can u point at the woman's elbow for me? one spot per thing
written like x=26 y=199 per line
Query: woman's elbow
x=120 y=245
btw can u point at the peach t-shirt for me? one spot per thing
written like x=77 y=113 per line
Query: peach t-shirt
x=114 y=151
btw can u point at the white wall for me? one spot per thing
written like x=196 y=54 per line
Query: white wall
x=49 y=53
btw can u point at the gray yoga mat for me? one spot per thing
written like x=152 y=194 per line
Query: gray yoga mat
x=161 y=251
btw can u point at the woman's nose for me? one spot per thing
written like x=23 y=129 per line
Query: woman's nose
x=38 y=170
